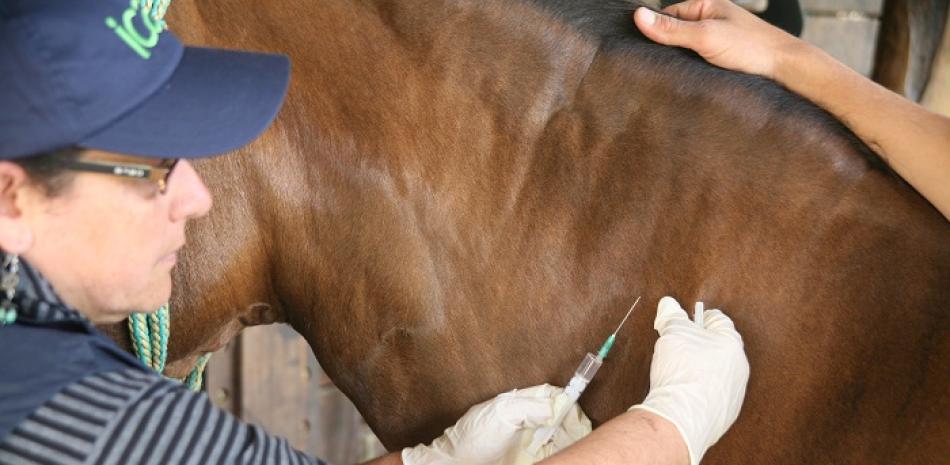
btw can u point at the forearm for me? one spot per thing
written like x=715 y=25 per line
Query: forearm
x=634 y=438
x=913 y=141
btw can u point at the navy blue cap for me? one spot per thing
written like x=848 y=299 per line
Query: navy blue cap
x=103 y=74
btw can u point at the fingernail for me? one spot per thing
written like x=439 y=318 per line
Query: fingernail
x=648 y=15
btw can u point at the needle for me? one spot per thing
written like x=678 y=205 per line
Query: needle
x=627 y=315
x=610 y=340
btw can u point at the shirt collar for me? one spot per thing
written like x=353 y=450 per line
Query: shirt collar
x=38 y=303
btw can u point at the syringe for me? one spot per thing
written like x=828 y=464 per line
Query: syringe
x=582 y=376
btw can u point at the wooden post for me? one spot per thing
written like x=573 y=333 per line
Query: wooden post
x=268 y=376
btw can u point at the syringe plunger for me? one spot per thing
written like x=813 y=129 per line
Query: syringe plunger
x=582 y=376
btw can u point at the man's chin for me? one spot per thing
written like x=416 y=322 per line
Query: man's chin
x=109 y=319
x=153 y=305
x=146 y=306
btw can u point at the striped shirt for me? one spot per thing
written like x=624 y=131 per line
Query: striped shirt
x=70 y=396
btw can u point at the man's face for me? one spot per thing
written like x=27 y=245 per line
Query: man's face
x=106 y=243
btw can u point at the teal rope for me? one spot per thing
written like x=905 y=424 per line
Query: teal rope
x=163 y=322
x=196 y=377
x=149 y=334
x=141 y=343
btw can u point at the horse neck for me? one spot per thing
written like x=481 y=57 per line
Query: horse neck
x=428 y=147
x=415 y=122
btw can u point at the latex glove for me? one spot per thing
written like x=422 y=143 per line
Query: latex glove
x=575 y=426
x=698 y=375
x=494 y=431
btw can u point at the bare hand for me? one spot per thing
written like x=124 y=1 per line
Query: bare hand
x=723 y=33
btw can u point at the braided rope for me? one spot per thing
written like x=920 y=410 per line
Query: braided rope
x=155 y=340
x=196 y=377
x=149 y=334
x=164 y=321
x=138 y=332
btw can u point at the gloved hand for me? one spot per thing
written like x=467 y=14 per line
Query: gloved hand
x=492 y=432
x=698 y=375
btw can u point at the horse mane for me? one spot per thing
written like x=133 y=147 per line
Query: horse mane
x=607 y=20
x=610 y=24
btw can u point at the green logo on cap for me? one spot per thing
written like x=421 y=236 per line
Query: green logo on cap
x=150 y=17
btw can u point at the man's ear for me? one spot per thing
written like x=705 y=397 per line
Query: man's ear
x=16 y=235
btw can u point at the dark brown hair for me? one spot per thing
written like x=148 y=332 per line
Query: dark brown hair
x=47 y=170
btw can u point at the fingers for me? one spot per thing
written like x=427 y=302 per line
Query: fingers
x=530 y=407
x=528 y=413
x=692 y=10
x=670 y=315
x=695 y=10
x=541 y=391
x=718 y=322
x=667 y=30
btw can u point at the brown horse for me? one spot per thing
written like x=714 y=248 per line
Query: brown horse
x=463 y=197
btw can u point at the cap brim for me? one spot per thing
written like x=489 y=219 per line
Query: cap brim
x=215 y=101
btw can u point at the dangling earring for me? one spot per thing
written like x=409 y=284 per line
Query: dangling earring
x=9 y=278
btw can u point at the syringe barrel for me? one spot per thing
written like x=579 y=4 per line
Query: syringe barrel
x=589 y=366
x=582 y=376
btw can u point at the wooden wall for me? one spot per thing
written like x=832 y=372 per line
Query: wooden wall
x=269 y=376
x=846 y=29
x=937 y=96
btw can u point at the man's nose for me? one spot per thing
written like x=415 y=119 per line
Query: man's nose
x=191 y=196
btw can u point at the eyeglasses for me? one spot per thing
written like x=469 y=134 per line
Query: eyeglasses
x=158 y=173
